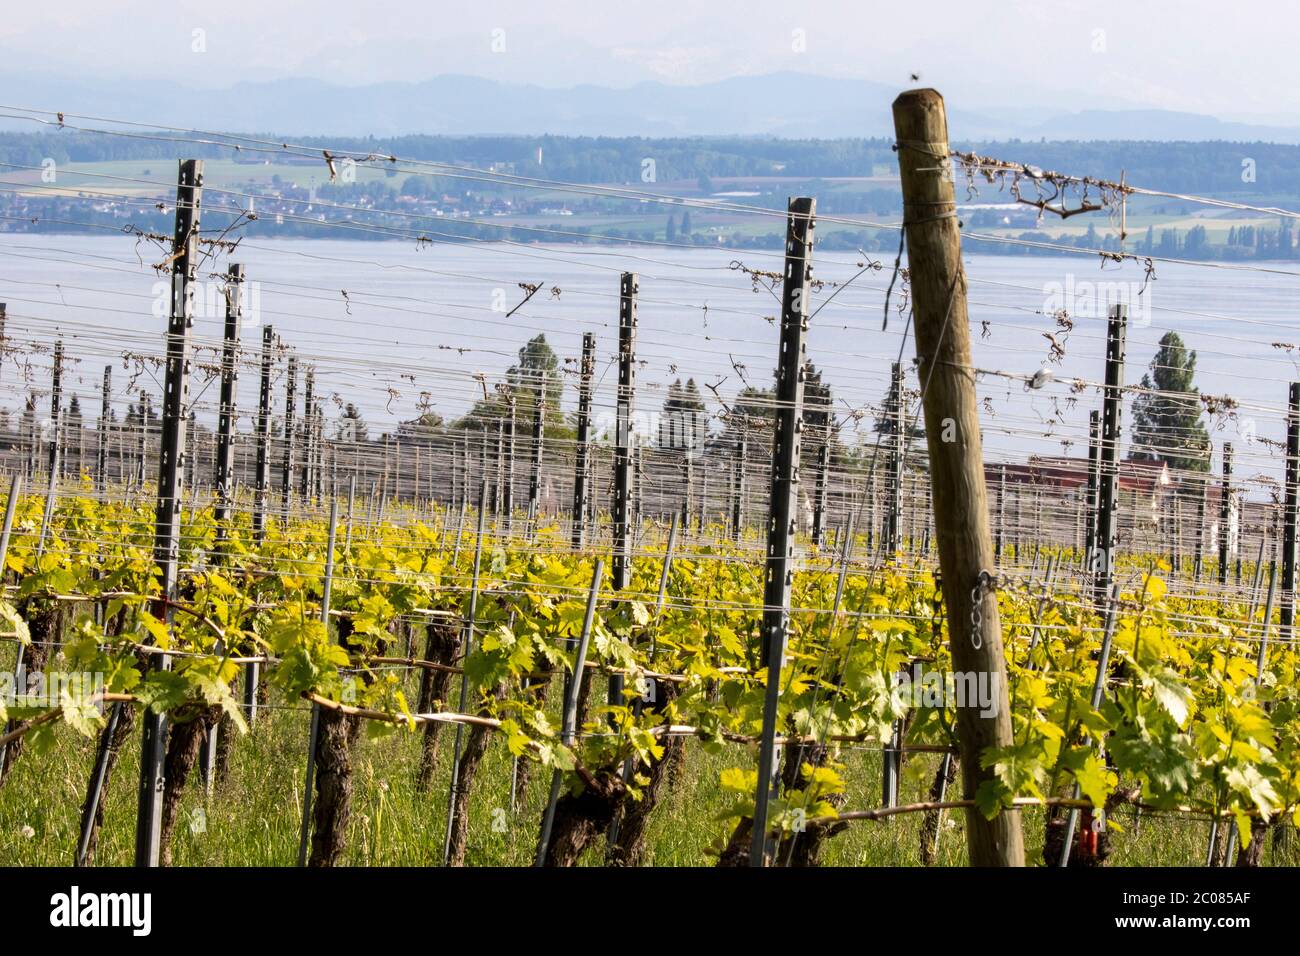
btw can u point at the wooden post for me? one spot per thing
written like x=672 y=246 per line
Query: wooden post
x=956 y=465
x=153 y=747
x=783 y=494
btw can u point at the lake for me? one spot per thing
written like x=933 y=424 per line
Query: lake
x=385 y=322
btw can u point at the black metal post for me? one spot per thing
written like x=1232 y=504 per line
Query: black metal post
x=1103 y=559
x=105 y=411
x=1291 y=516
x=170 y=468
x=290 y=436
x=1225 y=513
x=582 y=457
x=779 y=572
x=621 y=510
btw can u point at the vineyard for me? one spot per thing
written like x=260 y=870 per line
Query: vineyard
x=859 y=614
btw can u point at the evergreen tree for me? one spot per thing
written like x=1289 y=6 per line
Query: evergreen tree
x=1167 y=422
x=682 y=425
x=538 y=367
x=352 y=427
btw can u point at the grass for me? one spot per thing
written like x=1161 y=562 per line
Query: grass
x=253 y=818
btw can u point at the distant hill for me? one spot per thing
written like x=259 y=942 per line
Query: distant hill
x=791 y=105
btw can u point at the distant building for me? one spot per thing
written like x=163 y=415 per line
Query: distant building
x=1148 y=478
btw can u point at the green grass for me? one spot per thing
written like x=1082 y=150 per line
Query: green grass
x=253 y=819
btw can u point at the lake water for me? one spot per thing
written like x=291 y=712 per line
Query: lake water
x=385 y=322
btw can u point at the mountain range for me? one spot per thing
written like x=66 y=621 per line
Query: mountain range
x=795 y=105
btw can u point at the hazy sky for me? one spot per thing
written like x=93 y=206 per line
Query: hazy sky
x=1231 y=60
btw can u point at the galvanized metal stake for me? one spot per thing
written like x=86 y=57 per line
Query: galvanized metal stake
x=569 y=721
x=464 y=677
x=1098 y=688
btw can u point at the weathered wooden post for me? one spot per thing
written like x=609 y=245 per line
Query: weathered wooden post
x=952 y=432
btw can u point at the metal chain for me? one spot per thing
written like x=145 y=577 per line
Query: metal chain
x=936 y=608
x=984 y=584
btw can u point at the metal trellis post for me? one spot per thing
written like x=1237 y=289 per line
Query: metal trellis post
x=779 y=572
